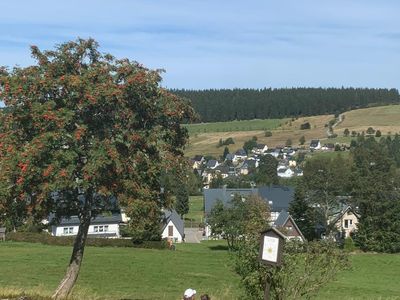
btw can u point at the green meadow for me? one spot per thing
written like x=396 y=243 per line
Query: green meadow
x=245 y=125
x=127 y=273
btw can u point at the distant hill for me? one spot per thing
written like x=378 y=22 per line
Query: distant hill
x=204 y=139
x=247 y=104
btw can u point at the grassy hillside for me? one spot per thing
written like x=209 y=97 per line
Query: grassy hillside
x=204 y=138
x=384 y=118
x=206 y=143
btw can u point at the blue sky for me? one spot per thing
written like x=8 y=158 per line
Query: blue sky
x=222 y=44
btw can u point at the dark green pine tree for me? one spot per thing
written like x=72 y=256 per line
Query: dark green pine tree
x=267 y=170
x=376 y=194
x=182 y=201
x=303 y=213
x=226 y=152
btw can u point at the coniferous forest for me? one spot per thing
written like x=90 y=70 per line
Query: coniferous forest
x=246 y=104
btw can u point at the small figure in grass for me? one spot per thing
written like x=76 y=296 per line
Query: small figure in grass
x=205 y=297
x=189 y=294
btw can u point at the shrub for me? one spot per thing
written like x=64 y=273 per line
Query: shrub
x=306 y=267
x=305 y=126
x=378 y=133
x=349 y=245
x=268 y=133
x=47 y=239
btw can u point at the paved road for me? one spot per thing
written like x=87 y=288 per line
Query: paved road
x=193 y=235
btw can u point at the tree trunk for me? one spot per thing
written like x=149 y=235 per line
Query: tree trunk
x=68 y=282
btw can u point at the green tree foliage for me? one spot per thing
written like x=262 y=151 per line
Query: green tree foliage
x=250 y=144
x=226 y=152
x=268 y=133
x=302 y=140
x=325 y=178
x=376 y=194
x=182 y=201
x=306 y=268
x=346 y=132
x=266 y=173
x=378 y=133
x=217 y=182
x=303 y=213
x=370 y=130
x=82 y=128
x=241 y=218
x=246 y=104
x=305 y=126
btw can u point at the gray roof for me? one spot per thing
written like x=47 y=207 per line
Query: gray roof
x=282 y=218
x=280 y=196
x=100 y=219
x=241 y=152
x=211 y=163
x=225 y=195
x=172 y=215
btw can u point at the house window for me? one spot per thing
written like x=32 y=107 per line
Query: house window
x=348 y=223
x=170 y=230
x=100 y=228
x=68 y=230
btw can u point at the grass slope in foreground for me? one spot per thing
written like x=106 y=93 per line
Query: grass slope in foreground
x=119 y=273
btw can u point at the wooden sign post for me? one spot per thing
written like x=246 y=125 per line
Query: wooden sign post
x=271 y=248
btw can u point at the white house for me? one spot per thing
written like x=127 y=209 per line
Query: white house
x=173 y=226
x=346 y=221
x=260 y=149
x=285 y=172
x=239 y=155
x=315 y=145
x=101 y=226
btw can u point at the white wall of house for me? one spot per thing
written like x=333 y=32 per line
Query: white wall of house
x=347 y=223
x=176 y=236
x=98 y=229
x=288 y=173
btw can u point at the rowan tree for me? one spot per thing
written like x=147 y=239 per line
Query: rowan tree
x=81 y=128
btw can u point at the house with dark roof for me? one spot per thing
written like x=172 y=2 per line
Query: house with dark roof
x=197 y=161
x=346 y=221
x=248 y=166
x=172 y=226
x=288 y=226
x=240 y=154
x=315 y=145
x=212 y=164
x=100 y=226
x=278 y=197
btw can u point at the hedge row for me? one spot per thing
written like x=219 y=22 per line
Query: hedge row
x=45 y=238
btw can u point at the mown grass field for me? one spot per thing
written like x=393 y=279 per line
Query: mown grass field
x=372 y=276
x=196 y=211
x=204 y=137
x=120 y=273
x=231 y=126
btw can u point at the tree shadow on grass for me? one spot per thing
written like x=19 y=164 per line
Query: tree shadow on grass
x=219 y=248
